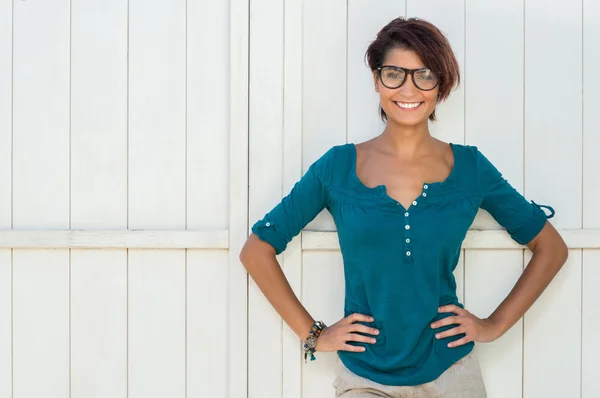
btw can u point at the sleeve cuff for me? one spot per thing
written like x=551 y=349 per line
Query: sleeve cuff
x=526 y=232
x=266 y=231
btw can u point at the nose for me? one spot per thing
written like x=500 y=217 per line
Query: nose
x=408 y=87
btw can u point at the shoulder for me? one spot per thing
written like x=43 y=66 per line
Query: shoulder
x=332 y=162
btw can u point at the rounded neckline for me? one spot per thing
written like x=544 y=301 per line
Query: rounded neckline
x=382 y=188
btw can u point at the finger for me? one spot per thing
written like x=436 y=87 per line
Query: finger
x=459 y=342
x=357 y=327
x=446 y=321
x=356 y=317
x=359 y=337
x=451 y=332
x=348 y=347
x=452 y=308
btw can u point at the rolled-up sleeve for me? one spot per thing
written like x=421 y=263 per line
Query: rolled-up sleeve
x=301 y=205
x=522 y=219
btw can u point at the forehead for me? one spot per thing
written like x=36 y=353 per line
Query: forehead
x=404 y=58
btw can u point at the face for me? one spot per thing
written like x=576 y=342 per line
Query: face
x=398 y=103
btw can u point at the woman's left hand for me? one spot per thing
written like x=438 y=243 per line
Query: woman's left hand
x=475 y=329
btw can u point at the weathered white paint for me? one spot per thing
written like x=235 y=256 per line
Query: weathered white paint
x=139 y=142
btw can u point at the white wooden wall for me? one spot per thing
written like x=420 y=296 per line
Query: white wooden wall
x=139 y=140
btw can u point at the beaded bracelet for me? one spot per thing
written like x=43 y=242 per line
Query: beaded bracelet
x=311 y=341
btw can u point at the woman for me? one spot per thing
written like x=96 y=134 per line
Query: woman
x=402 y=203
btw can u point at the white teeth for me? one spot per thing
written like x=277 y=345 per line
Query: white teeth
x=408 y=105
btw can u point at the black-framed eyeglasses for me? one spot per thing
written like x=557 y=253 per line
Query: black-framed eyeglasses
x=394 y=76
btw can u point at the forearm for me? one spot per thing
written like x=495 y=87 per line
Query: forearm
x=538 y=274
x=260 y=262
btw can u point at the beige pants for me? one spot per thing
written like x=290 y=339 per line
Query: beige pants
x=462 y=380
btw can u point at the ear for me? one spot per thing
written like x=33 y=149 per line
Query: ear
x=376 y=81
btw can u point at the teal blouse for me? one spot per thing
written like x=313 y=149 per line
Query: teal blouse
x=399 y=263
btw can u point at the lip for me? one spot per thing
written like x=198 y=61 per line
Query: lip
x=408 y=109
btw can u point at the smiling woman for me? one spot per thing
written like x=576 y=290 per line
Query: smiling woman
x=402 y=204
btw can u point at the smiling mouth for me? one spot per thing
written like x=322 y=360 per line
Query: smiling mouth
x=408 y=105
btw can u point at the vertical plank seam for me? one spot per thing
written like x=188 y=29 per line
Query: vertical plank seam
x=283 y=135
x=127 y=211
x=185 y=252
x=523 y=177
x=247 y=131
x=70 y=200
x=582 y=191
x=346 y=127
x=12 y=194
x=581 y=327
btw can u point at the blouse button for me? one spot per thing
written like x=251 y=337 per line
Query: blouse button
x=425 y=186
x=407 y=227
x=406 y=214
x=424 y=194
x=407 y=240
x=415 y=203
x=408 y=253
x=268 y=224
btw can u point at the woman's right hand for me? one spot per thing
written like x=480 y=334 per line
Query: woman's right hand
x=334 y=337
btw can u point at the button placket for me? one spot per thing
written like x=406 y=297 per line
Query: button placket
x=407 y=247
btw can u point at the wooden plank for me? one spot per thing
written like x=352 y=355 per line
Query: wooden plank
x=265 y=173
x=6 y=87
x=157 y=76
x=98 y=323
x=207 y=323
x=318 y=376
x=157 y=316
x=552 y=349
x=591 y=116
x=324 y=94
x=207 y=114
x=545 y=136
x=99 y=114
x=490 y=54
x=449 y=17
x=489 y=276
x=292 y=170
x=590 y=346
x=41 y=323
x=6 y=324
x=41 y=115
x=237 y=284
x=90 y=239
x=475 y=239
x=364 y=22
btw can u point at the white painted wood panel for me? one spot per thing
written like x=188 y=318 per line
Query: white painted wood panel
x=6 y=94
x=324 y=84
x=266 y=190
x=207 y=111
x=364 y=21
x=591 y=116
x=552 y=336
x=156 y=330
x=41 y=364
x=237 y=284
x=5 y=323
x=553 y=118
x=206 y=331
x=157 y=124
x=98 y=323
x=41 y=102
x=488 y=96
x=590 y=323
x=489 y=276
x=99 y=114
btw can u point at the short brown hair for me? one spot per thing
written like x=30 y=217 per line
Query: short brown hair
x=427 y=41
